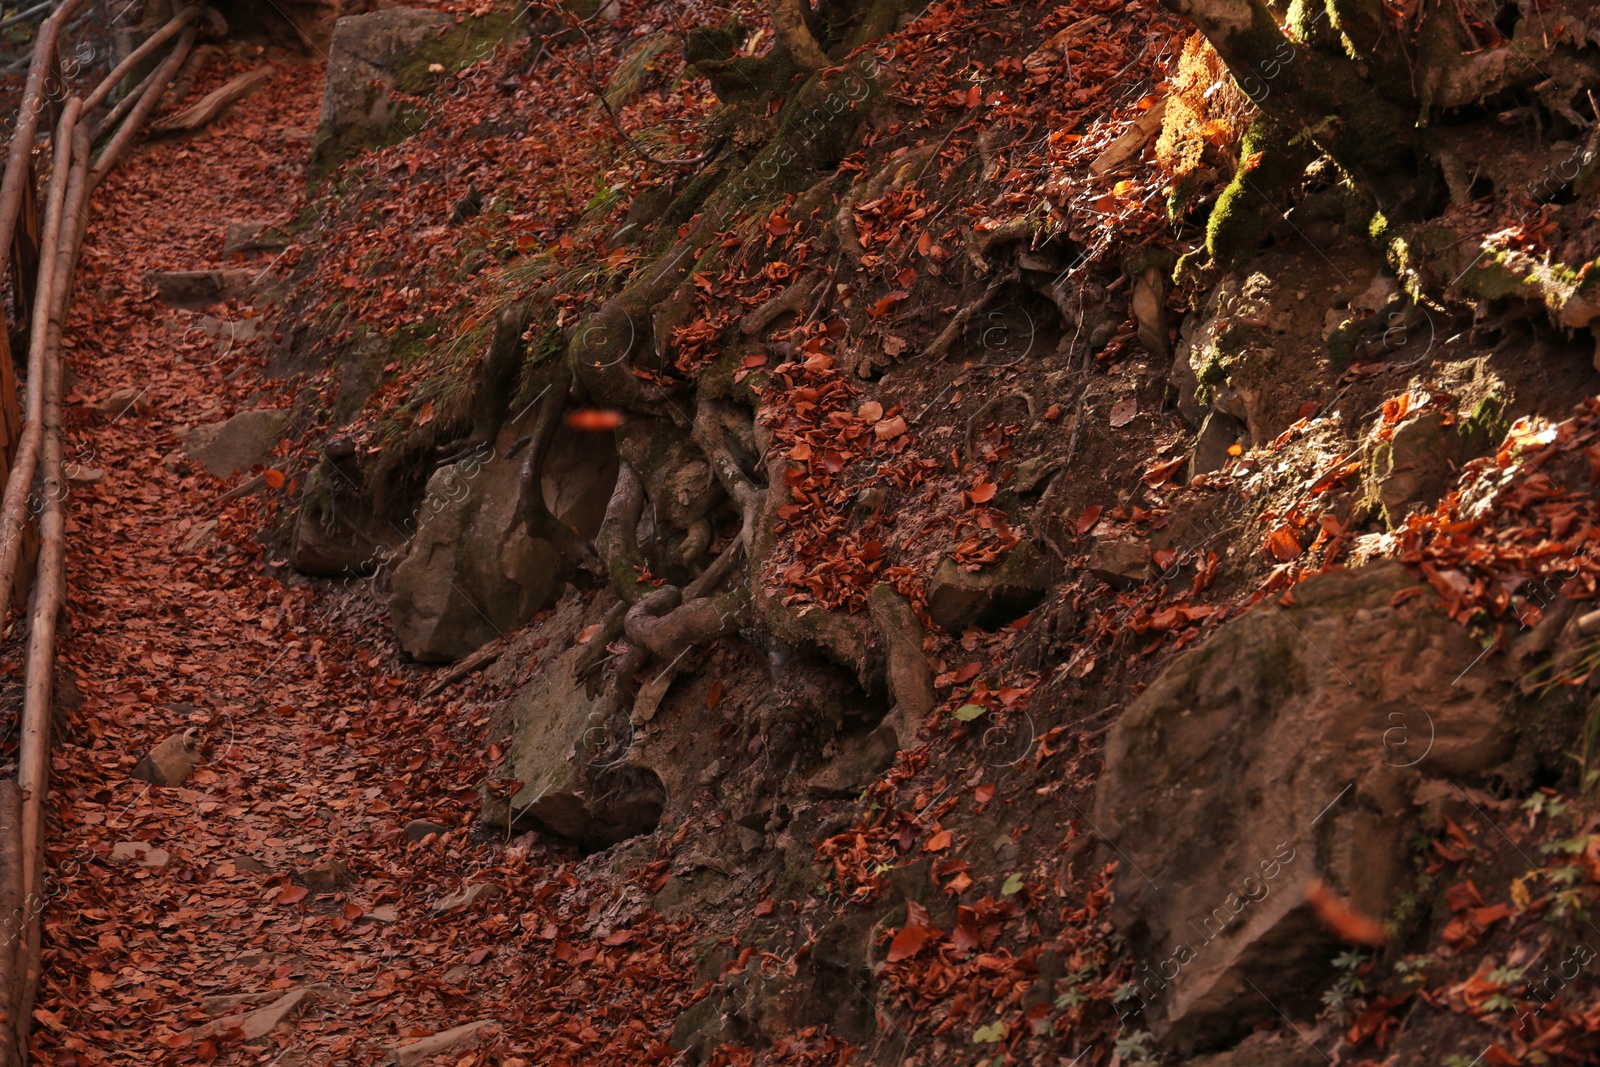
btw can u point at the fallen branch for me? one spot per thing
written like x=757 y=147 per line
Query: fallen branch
x=28 y=112
x=479 y=659
x=19 y=482
x=214 y=103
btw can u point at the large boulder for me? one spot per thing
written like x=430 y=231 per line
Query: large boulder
x=1299 y=745
x=472 y=573
x=577 y=779
x=364 y=57
x=226 y=448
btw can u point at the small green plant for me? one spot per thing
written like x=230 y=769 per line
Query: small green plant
x=1345 y=996
x=1072 y=998
x=1136 y=1049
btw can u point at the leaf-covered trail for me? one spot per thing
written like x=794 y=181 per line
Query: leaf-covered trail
x=317 y=748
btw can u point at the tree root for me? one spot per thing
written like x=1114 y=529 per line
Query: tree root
x=941 y=344
x=617 y=543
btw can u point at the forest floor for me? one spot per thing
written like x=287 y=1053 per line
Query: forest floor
x=279 y=875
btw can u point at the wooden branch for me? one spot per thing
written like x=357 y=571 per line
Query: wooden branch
x=19 y=161
x=33 y=756
x=457 y=671
x=138 y=55
x=13 y=901
x=214 y=103
x=19 y=483
x=155 y=85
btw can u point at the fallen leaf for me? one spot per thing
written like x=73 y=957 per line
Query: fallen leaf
x=889 y=429
x=1124 y=411
x=1342 y=920
x=910 y=941
x=594 y=419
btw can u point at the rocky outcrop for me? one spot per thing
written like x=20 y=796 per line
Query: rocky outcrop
x=472 y=573
x=1295 y=748
x=364 y=56
x=557 y=728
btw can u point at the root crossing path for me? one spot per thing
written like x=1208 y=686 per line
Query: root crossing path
x=270 y=908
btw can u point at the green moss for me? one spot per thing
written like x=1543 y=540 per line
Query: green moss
x=1270 y=161
x=461 y=45
x=1486 y=424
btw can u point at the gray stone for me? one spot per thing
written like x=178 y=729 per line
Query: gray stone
x=196 y=289
x=467 y=896
x=1218 y=433
x=363 y=57
x=1292 y=746
x=421 y=1051
x=1414 y=468
x=472 y=573
x=226 y=448
x=335 y=531
x=557 y=729
x=959 y=599
x=1120 y=561
x=171 y=762
x=140 y=852
x=119 y=403
x=417 y=829
x=256 y=236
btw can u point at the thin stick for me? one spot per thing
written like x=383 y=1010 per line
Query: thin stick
x=12 y=904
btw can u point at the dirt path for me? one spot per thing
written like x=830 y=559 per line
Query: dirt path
x=318 y=750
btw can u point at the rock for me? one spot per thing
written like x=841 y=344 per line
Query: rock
x=1291 y=746
x=325 y=876
x=466 y=897
x=473 y=573
x=139 y=852
x=1218 y=433
x=199 y=536
x=364 y=56
x=417 y=829
x=861 y=760
x=960 y=599
x=1414 y=468
x=1267 y=1050
x=262 y=1021
x=335 y=531
x=171 y=762
x=193 y=290
x=1121 y=562
x=226 y=448
x=81 y=475
x=557 y=728
x=115 y=405
x=421 y=1051
x=257 y=236
x=232 y=331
